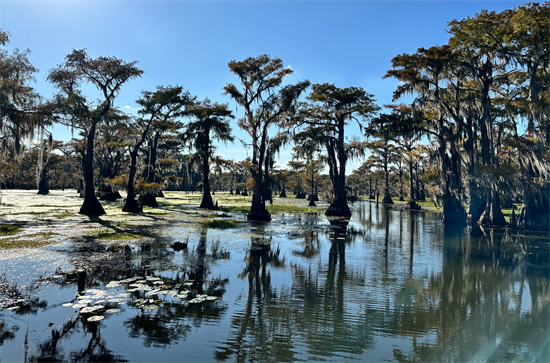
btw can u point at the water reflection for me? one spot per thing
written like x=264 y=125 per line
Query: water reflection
x=388 y=284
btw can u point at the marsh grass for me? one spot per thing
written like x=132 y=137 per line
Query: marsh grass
x=117 y=236
x=235 y=208
x=220 y=224
x=30 y=213
x=9 y=229
x=288 y=208
x=34 y=240
x=64 y=214
x=45 y=206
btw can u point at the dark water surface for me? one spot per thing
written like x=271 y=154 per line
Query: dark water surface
x=391 y=286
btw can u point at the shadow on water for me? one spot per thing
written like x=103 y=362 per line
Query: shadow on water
x=388 y=284
x=159 y=309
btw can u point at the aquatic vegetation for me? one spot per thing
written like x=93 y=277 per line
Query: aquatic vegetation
x=117 y=236
x=289 y=208
x=65 y=214
x=30 y=213
x=235 y=209
x=11 y=294
x=9 y=229
x=220 y=224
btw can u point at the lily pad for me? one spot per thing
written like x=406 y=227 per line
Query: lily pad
x=95 y=318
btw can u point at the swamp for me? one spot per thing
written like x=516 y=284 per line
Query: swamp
x=170 y=284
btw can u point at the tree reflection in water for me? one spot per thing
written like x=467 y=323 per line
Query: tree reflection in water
x=173 y=320
x=168 y=322
x=391 y=285
x=316 y=311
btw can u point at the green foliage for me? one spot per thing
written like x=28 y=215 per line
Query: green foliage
x=144 y=187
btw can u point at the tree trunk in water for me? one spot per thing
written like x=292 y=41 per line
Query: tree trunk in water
x=492 y=215
x=387 y=197
x=411 y=204
x=258 y=212
x=283 y=193
x=534 y=213
x=105 y=192
x=90 y=206
x=477 y=202
x=206 y=197
x=43 y=187
x=148 y=199
x=533 y=218
x=453 y=211
x=338 y=208
x=131 y=206
x=312 y=203
x=401 y=187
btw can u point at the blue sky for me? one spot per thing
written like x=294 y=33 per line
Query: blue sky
x=189 y=43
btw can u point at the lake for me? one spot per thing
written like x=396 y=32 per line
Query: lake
x=392 y=285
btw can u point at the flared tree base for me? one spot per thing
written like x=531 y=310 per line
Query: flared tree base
x=106 y=192
x=338 y=208
x=412 y=205
x=258 y=214
x=313 y=197
x=91 y=207
x=131 y=206
x=148 y=199
x=532 y=218
x=453 y=211
x=312 y=203
x=492 y=216
x=208 y=203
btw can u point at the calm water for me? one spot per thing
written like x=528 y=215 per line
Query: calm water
x=391 y=286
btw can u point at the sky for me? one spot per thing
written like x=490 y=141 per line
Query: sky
x=189 y=43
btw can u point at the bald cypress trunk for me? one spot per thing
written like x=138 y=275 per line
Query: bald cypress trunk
x=453 y=211
x=43 y=185
x=258 y=211
x=91 y=205
x=131 y=205
x=337 y=171
x=207 y=201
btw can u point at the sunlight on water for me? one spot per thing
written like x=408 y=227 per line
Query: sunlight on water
x=392 y=285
